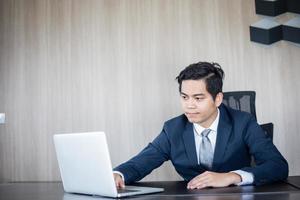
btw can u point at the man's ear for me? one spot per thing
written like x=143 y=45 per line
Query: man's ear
x=219 y=99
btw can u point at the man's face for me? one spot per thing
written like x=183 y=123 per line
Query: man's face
x=198 y=104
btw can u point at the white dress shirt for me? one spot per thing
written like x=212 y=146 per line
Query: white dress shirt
x=247 y=178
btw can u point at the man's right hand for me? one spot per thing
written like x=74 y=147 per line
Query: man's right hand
x=119 y=181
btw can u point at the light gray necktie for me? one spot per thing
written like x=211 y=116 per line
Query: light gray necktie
x=205 y=150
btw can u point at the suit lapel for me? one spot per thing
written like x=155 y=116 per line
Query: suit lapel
x=189 y=143
x=223 y=135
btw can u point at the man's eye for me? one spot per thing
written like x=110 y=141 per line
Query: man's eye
x=199 y=99
x=184 y=97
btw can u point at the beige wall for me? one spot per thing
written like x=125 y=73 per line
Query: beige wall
x=87 y=65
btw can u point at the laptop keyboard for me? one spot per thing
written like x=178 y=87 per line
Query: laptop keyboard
x=126 y=190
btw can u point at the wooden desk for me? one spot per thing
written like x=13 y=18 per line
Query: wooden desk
x=173 y=190
x=294 y=181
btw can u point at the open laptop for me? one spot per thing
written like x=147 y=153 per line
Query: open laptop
x=85 y=166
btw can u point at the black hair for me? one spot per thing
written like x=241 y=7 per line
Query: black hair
x=211 y=73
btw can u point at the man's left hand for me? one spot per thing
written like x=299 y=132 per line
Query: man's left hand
x=213 y=179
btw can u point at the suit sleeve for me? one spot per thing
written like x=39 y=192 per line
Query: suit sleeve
x=151 y=157
x=270 y=164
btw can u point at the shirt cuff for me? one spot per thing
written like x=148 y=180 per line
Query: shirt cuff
x=247 y=177
x=117 y=172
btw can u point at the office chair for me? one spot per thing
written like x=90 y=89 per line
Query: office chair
x=245 y=101
x=241 y=100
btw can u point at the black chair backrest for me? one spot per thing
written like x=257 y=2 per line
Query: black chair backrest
x=241 y=100
x=245 y=101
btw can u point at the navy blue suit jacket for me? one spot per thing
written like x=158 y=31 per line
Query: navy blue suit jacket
x=239 y=137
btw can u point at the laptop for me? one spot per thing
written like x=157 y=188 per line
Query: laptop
x=85 y=166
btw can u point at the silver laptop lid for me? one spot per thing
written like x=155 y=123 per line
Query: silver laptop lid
x=84 y=163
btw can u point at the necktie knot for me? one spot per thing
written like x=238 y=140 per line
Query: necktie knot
x=205 y=132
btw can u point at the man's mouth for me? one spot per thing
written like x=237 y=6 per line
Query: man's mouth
x=191 y=114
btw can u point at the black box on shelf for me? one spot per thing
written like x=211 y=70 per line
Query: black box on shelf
x=293 y=6
x=291 y=30
x=270 y=7
x=266 y=31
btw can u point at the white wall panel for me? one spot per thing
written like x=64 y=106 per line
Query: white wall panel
x=87 y=65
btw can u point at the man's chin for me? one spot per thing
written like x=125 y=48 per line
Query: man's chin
x=192 y=120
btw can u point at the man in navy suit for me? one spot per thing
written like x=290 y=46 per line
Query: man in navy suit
x=210 y=145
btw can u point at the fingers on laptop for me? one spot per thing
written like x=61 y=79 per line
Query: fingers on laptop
x=119 y=181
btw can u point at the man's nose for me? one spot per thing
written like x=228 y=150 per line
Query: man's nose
x=191 y=103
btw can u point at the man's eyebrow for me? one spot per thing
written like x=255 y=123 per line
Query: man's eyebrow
x=194 y=95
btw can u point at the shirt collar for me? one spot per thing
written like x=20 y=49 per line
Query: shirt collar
x=213 y=126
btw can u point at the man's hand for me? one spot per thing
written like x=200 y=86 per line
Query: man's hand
x=119 y=181
x=213 y=179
